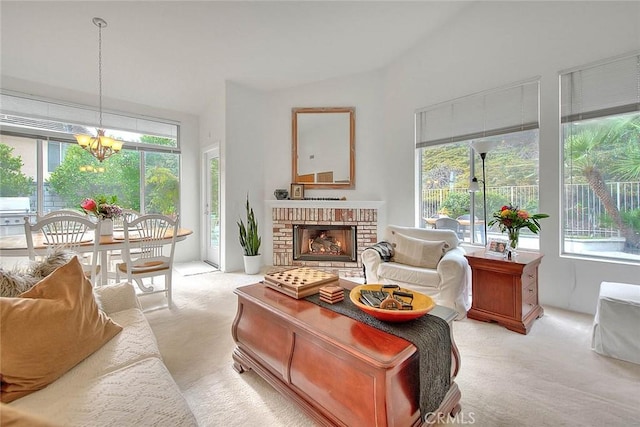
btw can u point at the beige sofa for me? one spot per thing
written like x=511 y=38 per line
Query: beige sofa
x=124 y=383
x=425 y=260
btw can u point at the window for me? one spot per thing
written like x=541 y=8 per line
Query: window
x=600 y=114
x=57 y=173
x=507 y=117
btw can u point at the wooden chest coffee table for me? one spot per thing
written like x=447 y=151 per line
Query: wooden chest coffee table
x=338 y=370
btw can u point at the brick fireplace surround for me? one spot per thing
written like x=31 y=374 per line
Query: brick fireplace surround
x=284 y=214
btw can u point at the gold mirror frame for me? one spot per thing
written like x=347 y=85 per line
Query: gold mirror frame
x=325 y=178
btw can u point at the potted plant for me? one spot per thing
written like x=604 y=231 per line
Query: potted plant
x=250 y=241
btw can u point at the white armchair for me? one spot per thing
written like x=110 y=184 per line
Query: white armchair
x=425 y=260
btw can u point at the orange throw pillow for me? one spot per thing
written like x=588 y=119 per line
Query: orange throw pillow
x=48 y=330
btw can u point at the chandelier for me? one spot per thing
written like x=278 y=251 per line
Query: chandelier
x=100 y=146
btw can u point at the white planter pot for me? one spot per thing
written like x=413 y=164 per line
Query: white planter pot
x=252 y=264
x=106 y=228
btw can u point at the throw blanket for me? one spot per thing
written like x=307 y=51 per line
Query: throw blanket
x=385 y=249
x=431 y=336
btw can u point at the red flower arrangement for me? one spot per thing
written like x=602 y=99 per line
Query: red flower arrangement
x=511 y=219
x=102 y=207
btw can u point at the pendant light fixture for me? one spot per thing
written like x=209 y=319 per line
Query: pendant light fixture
x=100 y=146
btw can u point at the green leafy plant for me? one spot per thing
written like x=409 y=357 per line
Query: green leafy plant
x=12 y=181
x=249 y=238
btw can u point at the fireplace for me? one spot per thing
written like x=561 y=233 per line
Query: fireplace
x=325 y=243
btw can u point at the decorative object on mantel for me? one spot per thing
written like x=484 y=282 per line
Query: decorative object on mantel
x=100 y=146
x=105 y=209
x=297 y=191
x=281 y=194
x=511 y=219
x=325 y=198
x=250 y=241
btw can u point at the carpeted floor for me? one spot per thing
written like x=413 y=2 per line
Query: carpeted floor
x=549 y=377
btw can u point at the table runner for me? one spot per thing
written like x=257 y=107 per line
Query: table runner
x=431 y=336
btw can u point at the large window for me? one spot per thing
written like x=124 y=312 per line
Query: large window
x=601 y=158
x=54 y=172
x=506 y=117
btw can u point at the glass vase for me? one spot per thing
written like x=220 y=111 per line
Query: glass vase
x=512 y=249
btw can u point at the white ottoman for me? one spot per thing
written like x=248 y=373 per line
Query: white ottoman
x=616 y=326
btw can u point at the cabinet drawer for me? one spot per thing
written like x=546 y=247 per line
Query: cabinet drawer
x=529 y=299
x=529 y=275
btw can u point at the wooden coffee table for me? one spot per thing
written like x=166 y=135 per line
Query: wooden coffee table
x=338 y=370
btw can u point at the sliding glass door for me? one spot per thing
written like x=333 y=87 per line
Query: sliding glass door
x=212 y=207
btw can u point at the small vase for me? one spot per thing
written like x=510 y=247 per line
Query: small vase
x=512 y=249
x=106 y=228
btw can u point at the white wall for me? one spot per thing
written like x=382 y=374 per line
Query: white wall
x=362 y=92
x=493 y=44
x=489 y=45
x=212 y=135
x=189 y=139
x=245 y=166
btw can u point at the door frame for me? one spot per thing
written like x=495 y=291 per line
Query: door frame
x=206 y=153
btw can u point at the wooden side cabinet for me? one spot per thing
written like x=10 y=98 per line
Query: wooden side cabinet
x=505 y=291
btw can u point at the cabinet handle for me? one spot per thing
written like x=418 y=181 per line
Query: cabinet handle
x=531 y=276
x=530 y=290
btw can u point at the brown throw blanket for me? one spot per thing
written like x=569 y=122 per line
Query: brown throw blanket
x=431 y=336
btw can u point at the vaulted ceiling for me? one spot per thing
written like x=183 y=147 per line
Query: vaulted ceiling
x=177 y=55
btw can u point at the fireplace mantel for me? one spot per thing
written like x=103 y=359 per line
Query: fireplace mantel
x=367 y=216
x=338 y=204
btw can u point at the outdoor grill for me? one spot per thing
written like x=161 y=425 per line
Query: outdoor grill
x=12 y=213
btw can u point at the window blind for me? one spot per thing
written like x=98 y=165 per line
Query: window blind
x=21 y=110
x=601 y=90
x=493 y=112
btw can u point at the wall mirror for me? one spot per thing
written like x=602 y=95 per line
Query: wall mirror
x=323 y=150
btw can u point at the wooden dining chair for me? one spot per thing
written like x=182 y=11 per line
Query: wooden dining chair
x=67 y=232
x=149 y=246
x=128 y=215
x=61 y=212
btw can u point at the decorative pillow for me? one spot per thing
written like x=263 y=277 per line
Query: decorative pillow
x=14 y=417
x=16 y=281
x=54 y=259
x=48 y=330
x=418 y=252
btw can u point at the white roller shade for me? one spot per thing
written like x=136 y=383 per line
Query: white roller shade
x=601 y=90
x=12 y=104
x=495 y=112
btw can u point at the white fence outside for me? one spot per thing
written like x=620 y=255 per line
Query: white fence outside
x=583 y=213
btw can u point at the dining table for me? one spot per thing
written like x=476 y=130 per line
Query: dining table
x=16 y=245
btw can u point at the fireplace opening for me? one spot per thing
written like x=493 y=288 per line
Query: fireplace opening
x=324 y=243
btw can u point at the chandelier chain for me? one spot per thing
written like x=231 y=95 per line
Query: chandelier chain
x=100 y=71
x=100 y=146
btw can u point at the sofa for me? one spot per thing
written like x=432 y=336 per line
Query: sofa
x=429 y=261
x=122 y=383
